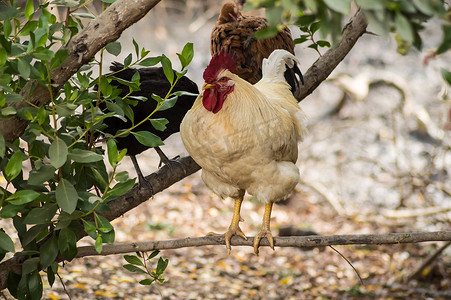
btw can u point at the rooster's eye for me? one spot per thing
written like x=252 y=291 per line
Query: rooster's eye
x=223 y=79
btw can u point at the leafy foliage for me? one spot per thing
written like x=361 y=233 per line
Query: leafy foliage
x=140 y=264
x=67 y=186
x=405 y=18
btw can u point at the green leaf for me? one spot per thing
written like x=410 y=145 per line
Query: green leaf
x=41 y=115
x=153 y=254
x=341 y=6
x=446 y=75
x=371 y=4
x=168 y=103
x=315 y=26
x=23 y=197
x=98 y=244
x=38 y=177
x=30 y=265
x=24 y=68
x=9 y=211
x=159 y=124
x=148 y=139
x=41 y=215
x=114 y=48
x=43 y=54
x=305 y=20
x=67 y=243
x=66 y=196
x=112 y=152
x=29 y=10
x=6 y=243
x=425 y=7
x=14 y=166
x=323 y=44
x=58 y=153
x=84 y=156
x=119 y=189
x=377 y=23
x=147 y=281
x=274 y=15
x=8 y=12
x=167 y=69
x=404 y=28
x=13 y=98
x=84 y=15
x=35 y=285
x=135 y=44
x=33 y=233
x=134 y=260
x=134 y=269
x=184 y=93
x=187 y=55
x=150 y=61
x=121 y=176
x=103 y=224
x=161 y=266
x=49 y=251
x=157 y=98
x=7 y=29
x=50 y=276
x=128 y=60
x=90 y=228
x=8 y=111
x=59 y=57
x=446 y=42
x=267 y=32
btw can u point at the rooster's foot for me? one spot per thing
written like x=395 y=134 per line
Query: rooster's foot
x=264 y=233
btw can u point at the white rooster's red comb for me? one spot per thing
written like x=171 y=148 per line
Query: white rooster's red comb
x=223 y=60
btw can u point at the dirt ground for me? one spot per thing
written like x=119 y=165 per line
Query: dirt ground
x=379 y=164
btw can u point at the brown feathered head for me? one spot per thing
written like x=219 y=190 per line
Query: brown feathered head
x=229 y=13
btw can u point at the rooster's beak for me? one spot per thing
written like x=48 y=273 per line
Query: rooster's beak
x=207 y=86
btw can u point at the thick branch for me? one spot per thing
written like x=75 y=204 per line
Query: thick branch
x=105 y=29
x=320 y=70
x=291 y=241
x=160 y=180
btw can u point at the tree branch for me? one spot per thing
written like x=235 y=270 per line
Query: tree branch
x=291 y=241
x=320 y=70
x=104 y=29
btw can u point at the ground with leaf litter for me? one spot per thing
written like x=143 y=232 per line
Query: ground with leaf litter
x=379 y=164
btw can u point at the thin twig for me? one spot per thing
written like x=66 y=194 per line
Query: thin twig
x=64 y=286
x=413 y=213
x=349 y=263
x=427 y=262
x=292 y=241
x=324 y=192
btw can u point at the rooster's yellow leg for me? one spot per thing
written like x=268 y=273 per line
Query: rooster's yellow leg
x=265 y=231
x=234 y=228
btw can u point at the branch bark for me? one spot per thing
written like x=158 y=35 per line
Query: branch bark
x=291 y=241
x=104 y=29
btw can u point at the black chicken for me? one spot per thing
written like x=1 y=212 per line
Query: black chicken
x=153 y=80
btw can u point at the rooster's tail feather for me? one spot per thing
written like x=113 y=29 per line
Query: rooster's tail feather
x=281 y=65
